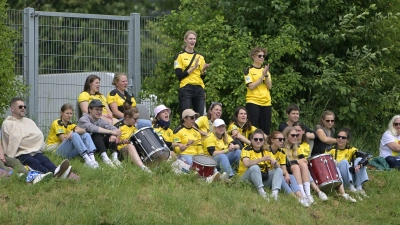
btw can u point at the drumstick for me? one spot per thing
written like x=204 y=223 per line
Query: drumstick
x=194 y=142
x=241 y=127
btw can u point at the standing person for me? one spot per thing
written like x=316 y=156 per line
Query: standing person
x=68 y=140
x=119 y=100
x=22 y=139
x=240 y=127
x=389 y=147
x=188 y=139
x=223 y=149
x=102 y=133
x=259 y=167
x=190 y=68
x=127 y=129
x=324 y=133
x=258 y=98
x=205 y=123
x=293 y=115
x=91 y=90
x=351 y=163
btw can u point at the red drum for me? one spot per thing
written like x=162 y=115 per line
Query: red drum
x=323 y=170
x=150 y=147
x=204 y=165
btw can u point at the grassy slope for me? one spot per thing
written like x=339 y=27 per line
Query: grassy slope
x=129 y=196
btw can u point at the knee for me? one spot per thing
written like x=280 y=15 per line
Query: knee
x=255 y=168
x=295 y=168
x=85 y=135
x=278 y=172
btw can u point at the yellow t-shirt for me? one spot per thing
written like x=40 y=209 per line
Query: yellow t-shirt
x=280 y=156
x=204 y=124
x=219 y=144
x=86 y=97
x=182 y=61
x=57 y=128
x=126 y=132
x=183 y=135
x=246 y=134
x=342 y=154
x=249 y=152
x=167 y=135
x=113 y=97
x=259 y=95
x=304 y=148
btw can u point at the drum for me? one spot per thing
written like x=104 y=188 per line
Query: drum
x=323 y=170
x=150 y=146
x=204 y=165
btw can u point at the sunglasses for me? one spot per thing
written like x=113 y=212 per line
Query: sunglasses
x=342 y=137
x=396 y=124
x=258 y=139
x=280 y=139
x=330 y=121
x=191 y=117
x=22 y=106
x=294 y=135
x=261 y=56
x=215 y=103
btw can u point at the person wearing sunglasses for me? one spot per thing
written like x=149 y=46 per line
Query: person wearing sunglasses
x=258 y=166
x=190 y=68
x=258 y=98
x=205 y=123
x=240 y=126
x=101 y=132
x=275 y=144
x=68 y=140
x=350 y=162
x=188 y=138
x=324 y=133
x=223 y=149
x=304 y=147
x=22 y=139
x=389 y=147
x=124 y=145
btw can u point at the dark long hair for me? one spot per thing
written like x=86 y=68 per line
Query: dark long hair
x=247 y=126
x=89 y=80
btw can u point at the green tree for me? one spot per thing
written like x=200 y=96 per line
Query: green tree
x=10 y=86
x=337 y=55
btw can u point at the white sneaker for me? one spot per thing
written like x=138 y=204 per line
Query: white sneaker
x=349 y=198
x=109 y=162
x=42 y=177
x=61 y=168
x=92 y=164
x=117 y=162
x=322 y=196
x=274 y=196
x=66 y=173
x=310 y=199
x=304 y=202
x=224 y=177
x=362 y=193
x=215 y=176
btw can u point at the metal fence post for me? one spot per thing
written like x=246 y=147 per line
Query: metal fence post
x=30 y=61
x=134 y=54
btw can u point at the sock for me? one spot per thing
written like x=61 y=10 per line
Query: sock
x=114 y=155
x=104 y=156
x=302 y=190
x=86 y=158
x=91 y=156
x=275 y=192
x=352 y=188
x=307 y=188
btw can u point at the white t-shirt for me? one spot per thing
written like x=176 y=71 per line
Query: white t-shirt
x=384 y=150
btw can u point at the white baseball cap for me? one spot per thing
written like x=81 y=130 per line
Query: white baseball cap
x=219 y=122
x=160 y=108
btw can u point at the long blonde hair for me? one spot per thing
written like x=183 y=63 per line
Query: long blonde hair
x=225 y=136
x=291 y=150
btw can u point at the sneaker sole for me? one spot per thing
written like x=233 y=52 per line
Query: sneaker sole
x=66 y=173
x=63 y=167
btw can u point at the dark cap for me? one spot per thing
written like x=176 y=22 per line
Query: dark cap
x=96 y=103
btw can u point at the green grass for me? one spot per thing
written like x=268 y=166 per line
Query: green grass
x=129 y=196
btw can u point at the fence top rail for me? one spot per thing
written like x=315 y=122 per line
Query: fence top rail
x=82 y=15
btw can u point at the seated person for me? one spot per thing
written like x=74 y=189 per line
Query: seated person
x=205 y=123
x=324 y=133
x=161 y=125
x=351 y=163
x=259 y=167
x=127 y=128
x=293 y=114
x=22 y=139
x=389 y=147
x=101 y=132
x=91 y=90
x=223 y=149
x=240 y=127
x=119 y=100
x=68 y=140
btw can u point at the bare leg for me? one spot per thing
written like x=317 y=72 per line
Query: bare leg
x=130 y=150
